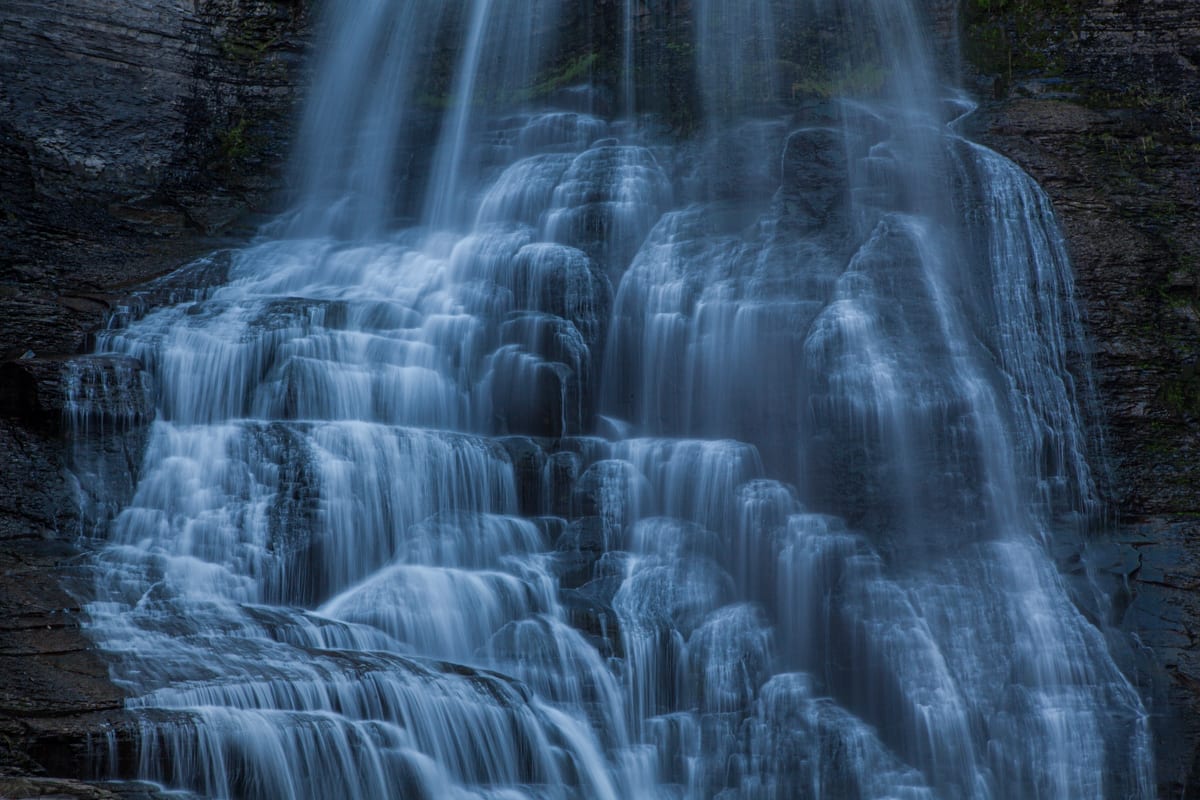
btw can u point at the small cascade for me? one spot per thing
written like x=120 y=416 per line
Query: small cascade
x=541 y=454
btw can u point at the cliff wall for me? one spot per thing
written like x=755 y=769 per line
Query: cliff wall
x=134 y=135
x=1100 y=101
x=132 y=132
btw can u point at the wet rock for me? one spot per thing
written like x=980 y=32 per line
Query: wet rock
x=584 y=535
x=560 y=281
x=561 y=471
x=670 y=538
x=551 y=527
x=53 y=677
x=1114 y=147
x=614 y=490
x=608 y=200
x=100 y=407
x=814 y=195
x=573 y=568
x=31 y=390
x=92 y=120
x=531 y=395
x=673 y=595
x=603 y=589
x=729 y=658
x=191 y=282
x=598 y=621
x=578 y=548
x=298 y=576
x=1164 y=578
x=560 y=130
x=36 y=497
x=56 y=789
x=529 y=465
x=588 y=449
x=741 y=163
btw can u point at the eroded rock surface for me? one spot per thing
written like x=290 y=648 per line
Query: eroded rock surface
x=132 y=136
x=1098 y=101
x=169 y=110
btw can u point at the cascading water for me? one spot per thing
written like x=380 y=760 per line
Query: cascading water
x=646 y=466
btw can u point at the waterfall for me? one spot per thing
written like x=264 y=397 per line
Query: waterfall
x=539 y=454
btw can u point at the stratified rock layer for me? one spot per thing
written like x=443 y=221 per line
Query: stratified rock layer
x=1099 y=103
x=131 y=134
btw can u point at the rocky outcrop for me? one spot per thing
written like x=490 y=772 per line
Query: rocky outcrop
x=1099 y=101
x=169 y=112
x=71 y=434
x=53 y=678
x=1124 y=185
x=133 y=134
x=1137 y=47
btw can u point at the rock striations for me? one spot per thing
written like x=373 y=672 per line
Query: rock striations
x=1100 y=101
x=133 y=133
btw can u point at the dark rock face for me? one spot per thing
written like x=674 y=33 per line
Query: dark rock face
x=1115 y=48
x=131 y=134
x=1098 y=101
x=52 y=676
x=813 y=196
x=60 y=789
x=1163 y=609
x=55 y=414
x=170 y=112
x=1140 y=47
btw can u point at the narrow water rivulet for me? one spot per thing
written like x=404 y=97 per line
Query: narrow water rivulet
x=577 y=436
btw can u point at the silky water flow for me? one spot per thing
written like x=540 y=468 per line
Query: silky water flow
x=544 y=452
